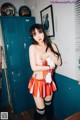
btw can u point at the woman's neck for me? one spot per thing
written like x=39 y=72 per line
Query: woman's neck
x=41 y=44
x=41 y=47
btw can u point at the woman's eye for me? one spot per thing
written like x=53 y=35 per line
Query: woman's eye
x=40 y=31
x=34 y=34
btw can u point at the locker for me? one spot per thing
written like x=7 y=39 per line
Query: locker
x=15 y=31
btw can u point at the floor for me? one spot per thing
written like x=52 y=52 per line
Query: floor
x=75 y=116
x=27 y=115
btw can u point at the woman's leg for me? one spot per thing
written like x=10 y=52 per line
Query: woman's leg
x=40 y=108
x=48 y=98
x=49 y=107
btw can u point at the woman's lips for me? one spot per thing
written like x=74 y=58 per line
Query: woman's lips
x=39 y=39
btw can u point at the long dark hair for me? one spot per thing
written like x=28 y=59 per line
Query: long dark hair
x=47 y=40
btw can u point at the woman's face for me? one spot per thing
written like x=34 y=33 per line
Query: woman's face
x=38 y=36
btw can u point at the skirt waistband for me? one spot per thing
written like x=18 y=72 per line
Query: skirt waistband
x=37 y=79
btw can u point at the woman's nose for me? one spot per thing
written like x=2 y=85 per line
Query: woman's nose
x=38 y=35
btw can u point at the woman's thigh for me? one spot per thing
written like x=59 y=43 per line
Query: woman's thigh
x=48 y=98
x=39 y=102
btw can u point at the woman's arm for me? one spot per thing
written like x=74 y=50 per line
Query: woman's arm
x=56 y=59
x=32 y=58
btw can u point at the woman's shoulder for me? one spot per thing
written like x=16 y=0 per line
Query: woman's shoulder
x=32 y=47
x=53 y=44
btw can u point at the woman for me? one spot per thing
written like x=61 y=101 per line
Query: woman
x=41 y=89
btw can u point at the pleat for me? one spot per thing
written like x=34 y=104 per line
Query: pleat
x=39 y=88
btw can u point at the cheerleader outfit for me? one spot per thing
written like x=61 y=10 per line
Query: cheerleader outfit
x=39 y=87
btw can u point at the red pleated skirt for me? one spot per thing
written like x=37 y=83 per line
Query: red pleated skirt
x=39 y=88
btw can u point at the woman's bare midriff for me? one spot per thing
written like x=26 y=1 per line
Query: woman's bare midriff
x=38 y=75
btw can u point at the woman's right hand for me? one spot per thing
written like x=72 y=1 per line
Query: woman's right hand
x=45 y=55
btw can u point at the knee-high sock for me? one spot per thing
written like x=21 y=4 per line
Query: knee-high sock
x=39 y=114
x=49 y=110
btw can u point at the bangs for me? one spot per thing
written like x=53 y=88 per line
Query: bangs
x=39 y=27
x=33 y=32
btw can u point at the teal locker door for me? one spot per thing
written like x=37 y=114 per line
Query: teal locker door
x=12 y=41
x=26 y=23
x=14 y=55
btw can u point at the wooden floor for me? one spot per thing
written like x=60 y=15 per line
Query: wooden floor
x=75 y=116
x=27 y=115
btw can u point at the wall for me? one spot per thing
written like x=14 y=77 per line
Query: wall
x=66 y=98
